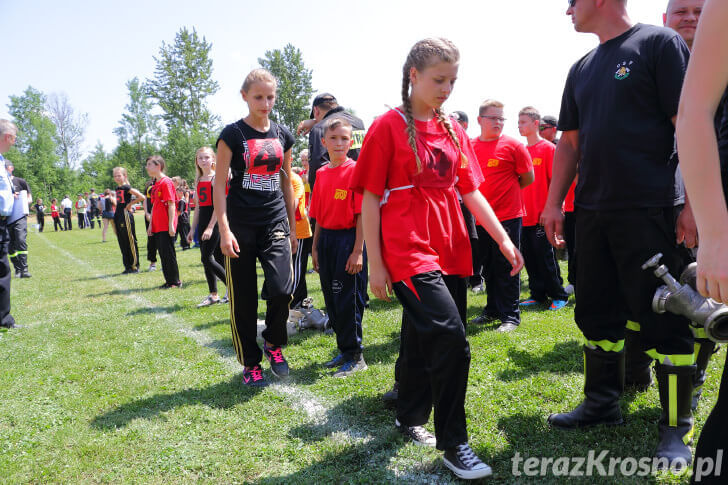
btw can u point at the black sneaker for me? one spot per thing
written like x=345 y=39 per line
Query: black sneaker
x=482 y=320
x=464 y=463
x=253 y=377
x=351 y=366
x=278 y=364
x=335 y=362
x=390 y=397
x=25 y=275
x=418 y=434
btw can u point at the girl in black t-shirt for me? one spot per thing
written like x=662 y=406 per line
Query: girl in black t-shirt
x=205 y=219
x=40 y=214
x=255 y=221
x=108 y=201
x=183 y=216
x=126 y=196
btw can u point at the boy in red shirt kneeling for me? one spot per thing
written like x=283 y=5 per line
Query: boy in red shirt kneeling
x=339 y=240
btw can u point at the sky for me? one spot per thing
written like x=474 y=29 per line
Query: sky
x=516 y=51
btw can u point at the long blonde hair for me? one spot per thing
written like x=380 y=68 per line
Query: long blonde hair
x=197 y=167
x=422 y=55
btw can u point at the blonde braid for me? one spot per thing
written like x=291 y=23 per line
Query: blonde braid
x=445 y=120
x=407 y=105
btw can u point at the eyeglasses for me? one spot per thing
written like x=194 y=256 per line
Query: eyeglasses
x=545 y=127
x=495 y=118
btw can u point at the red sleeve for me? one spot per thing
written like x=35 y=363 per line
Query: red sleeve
x=470 y=177
x=373 y=162
x=168 y=192
x=522 y=157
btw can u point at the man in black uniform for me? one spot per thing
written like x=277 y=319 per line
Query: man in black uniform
x=325 y=105
x=18 y=228
x=623 y=141
x=8 y=134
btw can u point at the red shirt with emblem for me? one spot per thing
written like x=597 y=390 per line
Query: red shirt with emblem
x=333 y=204
x=502 y=161
x=534 y=195
x=422 y=228
x=569 y=200
x=162 y=193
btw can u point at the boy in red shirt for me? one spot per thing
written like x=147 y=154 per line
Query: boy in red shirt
x=339 y=239
x=507 y=168
x=544 y=276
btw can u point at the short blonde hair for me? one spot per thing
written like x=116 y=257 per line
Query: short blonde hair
x=258 y=75
x=489 y=103
x=531 y=112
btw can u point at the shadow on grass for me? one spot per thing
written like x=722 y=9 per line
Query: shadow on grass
x=565 y=357
x=375 y=304
x=205 y=326
x=156 y=309
x=223 y=395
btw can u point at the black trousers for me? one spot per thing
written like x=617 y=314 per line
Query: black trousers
x=434 y=359
x=151 y=244
x=126 y=235
x=344 y=293
x=57 y=224
x=168 y=256
x=67 y=221
x=6 y=319
x=269 y=244
x=544 y=275
x=210 y=260
x=570 y=237
x=612 y=287
x=714 y=440
x=183 y=229
x=503 y=289
x=81 y=220
x=41 y=222
x=300 y=267
x=18 y=248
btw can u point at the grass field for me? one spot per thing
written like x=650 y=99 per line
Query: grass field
x=115 y=381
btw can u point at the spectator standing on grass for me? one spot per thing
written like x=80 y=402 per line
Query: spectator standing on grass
x=108 y=202
x=704 y=161
x=622 y=142
x=40 y=214
x=305 y=239
x=183 y=215
x=94 y=212
x=18 y=224
x=126 y=197
x=67 y=207
x=8 y=135
x=163 y=226
x=81 y=206
x=55 y=215
x=507 y=168
x=151 y=242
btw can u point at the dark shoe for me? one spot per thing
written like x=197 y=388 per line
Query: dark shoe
x=25 y=275
x=675 y=428
x=12 y=325
x=335 y=362
x=351 y=366
x=278 y=364
x=18 y=274
x=637 y=364
x=506 y=327
x=603 y=385
x=390 y=397
x=464 y=463
x=253 y=377
x=705 y=348
x=208 y=301
x=483 y=319
x=417 y=434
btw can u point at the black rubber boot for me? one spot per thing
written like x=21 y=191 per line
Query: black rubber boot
x=704 y=349
x=637 y=364
x=603 y=385
x=675 y=427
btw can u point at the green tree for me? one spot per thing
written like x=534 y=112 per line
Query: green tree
x=35 y=154
x=70 y=127
x=294 y=87
x=96 y=170
x=139 y=126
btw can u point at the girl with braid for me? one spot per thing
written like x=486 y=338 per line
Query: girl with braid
x=126 y=196
x=412 y=161
x=206 y=220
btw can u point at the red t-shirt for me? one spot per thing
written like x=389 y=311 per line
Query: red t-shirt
x=422 y=228
x=534 y=195
x=204 y=193
x=333 y=204
x=163 y=192
x=569 y=200
x=501 y=162
x=54 y=211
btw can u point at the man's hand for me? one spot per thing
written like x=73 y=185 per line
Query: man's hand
x=355 y=262
x=552 y=219
x=304 y=127
x=686 y=229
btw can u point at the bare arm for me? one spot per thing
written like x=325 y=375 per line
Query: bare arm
x=289 y=199
x=705 y=82
x=228 y=243
x=138 y=197
x=171 y=215
x=355 y=262
x=566 y=159
x=526 y=179
x=379 y=280
x=314 y=247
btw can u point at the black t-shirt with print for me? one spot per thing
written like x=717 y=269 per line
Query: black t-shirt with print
x=621 y=97
x=123 y=197
x=255 y=196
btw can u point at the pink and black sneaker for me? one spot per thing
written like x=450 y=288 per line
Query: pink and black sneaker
x=278 y=364
x=253 y=377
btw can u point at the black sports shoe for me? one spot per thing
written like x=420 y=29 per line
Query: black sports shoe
x=464 y=463
x=351 y=366
x=483 y=320
x=25 y=275
x=418 y=434
x=253 y=377
x=335 y=362
x=278 y=364
x=390 y=397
